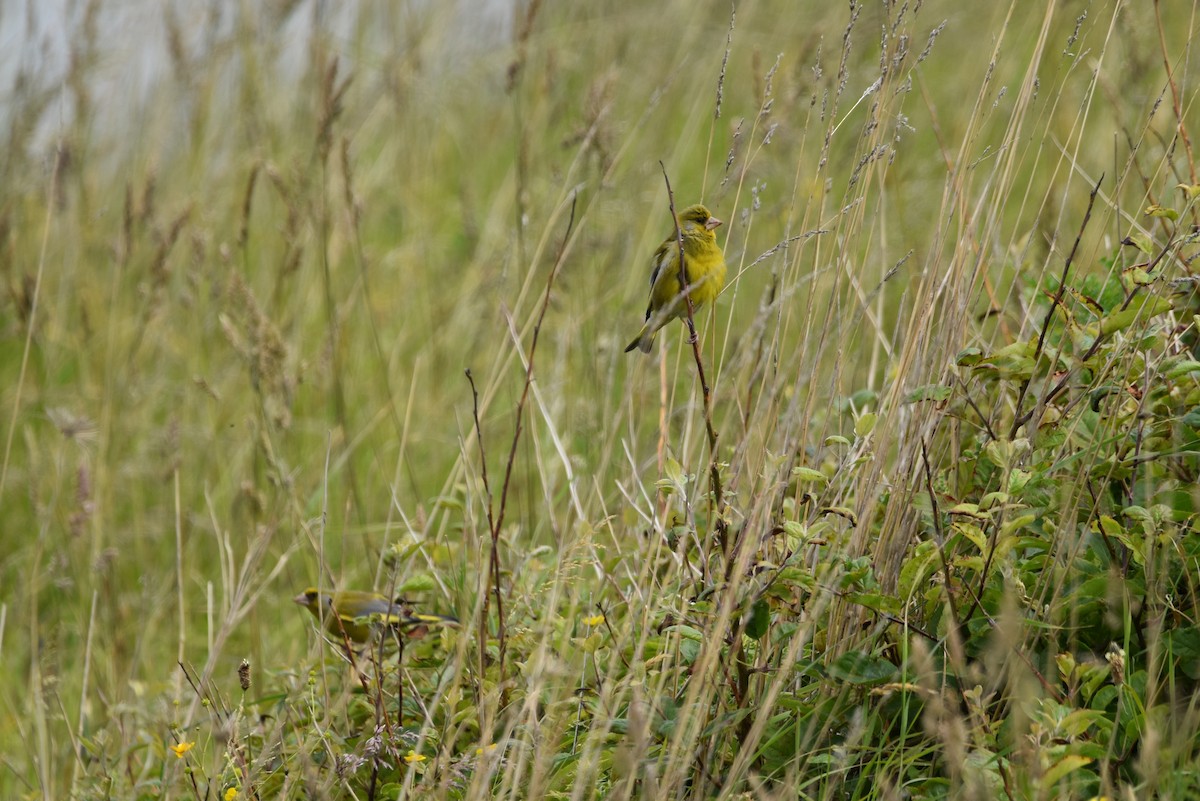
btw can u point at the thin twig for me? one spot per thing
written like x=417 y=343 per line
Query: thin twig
x=940 y=541
x=958 y=621
x=1176 y=105
x=1100 y=339
x=1018 y=419
x=971 y=402
x=714 y=476
x=487 y=491
x=498 y=523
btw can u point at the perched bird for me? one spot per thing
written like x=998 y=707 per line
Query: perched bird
x=357 y=613
x=705 y=273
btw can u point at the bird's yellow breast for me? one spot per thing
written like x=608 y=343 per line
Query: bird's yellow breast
x=705 y=266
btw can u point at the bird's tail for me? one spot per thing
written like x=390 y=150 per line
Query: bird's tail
x=644 y=341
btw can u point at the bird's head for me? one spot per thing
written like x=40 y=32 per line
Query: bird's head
x=311 y=599
x=697 y=218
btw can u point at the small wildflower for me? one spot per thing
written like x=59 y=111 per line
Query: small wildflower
x=413 y=756
x=1116 y=659
x=487 y=749
x=594 y=620
x=231 y=794
x=373 y=746
x=182 y=748
x=348 y=763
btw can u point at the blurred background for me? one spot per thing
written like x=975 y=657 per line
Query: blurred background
x=248 y=250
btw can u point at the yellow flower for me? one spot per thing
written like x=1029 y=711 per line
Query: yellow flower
x=182 y=748
x=594 y=620
x=705 y=266
x=413 y=756
x=231 y=794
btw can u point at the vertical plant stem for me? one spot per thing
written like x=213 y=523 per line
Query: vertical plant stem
x=1019 y=419
x=714 y=476
x=33 y=307
x=332 y=94
x=487 y=491
x=498 y=522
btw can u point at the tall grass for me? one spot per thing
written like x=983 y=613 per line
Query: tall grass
x=944 y=545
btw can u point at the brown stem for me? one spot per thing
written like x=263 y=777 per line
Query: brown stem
x=714 y=476
x=498 y=523
x=1176 y=105
x=487 y=490
x=1018 y=419
x=958 y=621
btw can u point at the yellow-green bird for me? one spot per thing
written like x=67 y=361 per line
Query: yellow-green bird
x=705 y=264
x=358 y=613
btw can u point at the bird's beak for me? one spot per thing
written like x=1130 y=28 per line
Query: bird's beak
x=711 y=223
x=301 y=599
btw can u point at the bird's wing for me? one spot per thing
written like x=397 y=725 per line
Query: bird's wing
x=661 y=258
x=378 y=606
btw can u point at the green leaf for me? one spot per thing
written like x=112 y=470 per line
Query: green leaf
x=968 y=357
x=1017 y=523
x=1132 y=540
x=687 y=632
x=1182 y=368
x=1141 y=242
x=1017 y=479
x=969 y=510
x=1010 y=367
x=1003 y=453
x=1065 y=766
x=449 y=502
x=1119 y=321
x=1066 y=665
x=674 y=471
x=1140 y=277
x=1093 y=675
x=1078 y=722
x=876 y=602
x=968 y=563
x=760 y=618
x=973 y=533
x=1184 y=645
x=929 y=392
x=421 y=582
x=1155 y=210
x=864 y=397
x=917 y=568
x=800 y=577
x=992 y=500
x=809 y=475
x=856 y=667
x=865 y=424
x=1104 y=697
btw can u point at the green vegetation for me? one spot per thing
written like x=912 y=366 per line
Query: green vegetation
x=946 y=546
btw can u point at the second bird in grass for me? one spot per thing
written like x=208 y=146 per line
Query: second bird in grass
x=357 y=613
x=705 y=265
